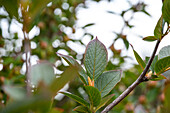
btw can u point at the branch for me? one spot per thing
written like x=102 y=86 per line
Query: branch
x=140 y=79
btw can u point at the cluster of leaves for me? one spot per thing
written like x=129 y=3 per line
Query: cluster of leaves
x=97 y=83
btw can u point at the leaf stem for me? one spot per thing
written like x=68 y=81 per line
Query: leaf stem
x=140 y=79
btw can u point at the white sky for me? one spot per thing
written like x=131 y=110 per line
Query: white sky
x=106 y=23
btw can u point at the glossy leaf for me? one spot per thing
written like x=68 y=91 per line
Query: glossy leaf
x=139 y=59
x=164 y=52
x=104 y=101
x=76 y=98
x=42 y=72
x=107 y=81
x=82 y=73
x=65 y=77
x=158 y=29
x=162 y=65
x=150 y=38
x=94 y=95
x=166 y=10
x=15 y=92
x=95 y=59
x=81 y=109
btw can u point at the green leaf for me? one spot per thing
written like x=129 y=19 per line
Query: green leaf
x=95 y=59
x=94 y=95
x=166 y=10
x=162 y=65
x=76 y=98
x=65 y=77
x=88 y=25
x=150 y=38
x=164 y=52
x=36 y=103
x=152 y=67
x=81 y=109
x=11 y=6
x=15 y=92
x=157 y=77
x=42 y=72
x=158 y=29
x=126 y=43
x=104 y=101
x=107 y=81
x=139 y=59
x=82 y=73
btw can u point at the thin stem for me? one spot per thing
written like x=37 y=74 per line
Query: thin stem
x=27 y=51
x=136 y=83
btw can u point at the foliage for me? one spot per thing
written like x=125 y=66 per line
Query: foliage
x=99 y=83
x=34 y=88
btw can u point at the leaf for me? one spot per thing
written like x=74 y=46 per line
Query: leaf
x=166 y=10
x=126 y=43
x=107 y=81
x=37 y=102
x=157 y=77
x=139 y=59
x=95 y=59
x=81 y=109
x=164 y=52
x=42 y=72
x=15 y=92
x=150 y=38
x=82 y=73
x=152 y=67
x=162 y=65
x=76 y=98
x=65 y=77
x=91 y=24
x=94 y=95
x=104 y=101
x=158 y=29
x=11 y=7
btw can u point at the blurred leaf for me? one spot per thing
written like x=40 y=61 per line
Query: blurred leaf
x=94 y=95
x=11 y=6
x=162 y=65
x=164 y=52
x=95 y=59
x=56 y=110
x=15 y=92
x=81 y=109
x=88 y=25
x=158 y=29
x=166 y=108
x=157 y=77
x=82 y=73
x=42 y=72
x=139 y=59
x=107 y=81
x=126 y=43
x=76 y=98
x=166 y=10
x=104 y=101
x=36 y=103
x=150 y=38
x=65 y=77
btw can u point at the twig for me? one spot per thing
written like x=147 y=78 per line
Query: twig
x=140 y=79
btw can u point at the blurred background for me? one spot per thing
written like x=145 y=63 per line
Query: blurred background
x=66 y=26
